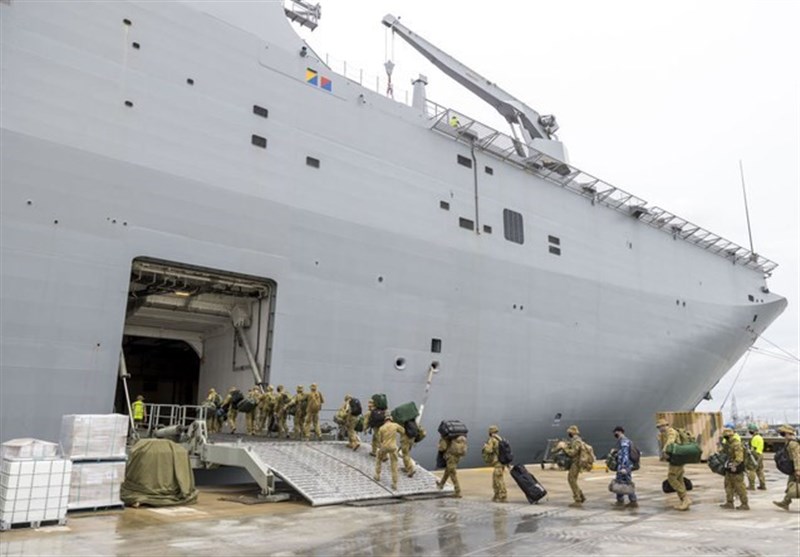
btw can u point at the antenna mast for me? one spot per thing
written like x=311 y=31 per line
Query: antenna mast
x=753 y=255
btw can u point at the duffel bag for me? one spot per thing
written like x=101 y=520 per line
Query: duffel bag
x=621 y=488
x=688 y=453
x=405 y=413
x=666 y=488
x=450 y=429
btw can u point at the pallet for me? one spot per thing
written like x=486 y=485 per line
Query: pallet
x=4 y=526
x=99 y=508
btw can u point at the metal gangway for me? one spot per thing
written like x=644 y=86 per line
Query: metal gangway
x=322 y=472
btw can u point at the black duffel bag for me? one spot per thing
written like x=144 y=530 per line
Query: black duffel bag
x=666 y=488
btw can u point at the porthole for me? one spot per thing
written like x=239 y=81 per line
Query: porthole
x=400 y=364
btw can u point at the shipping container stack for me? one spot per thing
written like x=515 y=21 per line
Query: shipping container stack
x=96 y=445
x=34 y=484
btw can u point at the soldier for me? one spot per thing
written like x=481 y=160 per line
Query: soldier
x=757 y=468
x=454 y=450
x=387 y=438
x=232 y=399
x=573 y=450
x=353 y=441
x=793 y=483
x=367 y=419
x=299 y=405
x=734 y=470
x=266 y=410
x=212 y=403
x=491 y=451
x=669 y=435
x=624 y=468
x=282 y=400
x=406 y=444
x=314 y=402
x=253 y=396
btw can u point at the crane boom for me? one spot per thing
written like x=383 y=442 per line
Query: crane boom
x=535 y=127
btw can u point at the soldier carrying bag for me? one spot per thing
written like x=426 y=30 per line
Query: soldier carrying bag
x=783 y=461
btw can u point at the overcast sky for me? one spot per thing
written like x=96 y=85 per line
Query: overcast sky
x=661 y=99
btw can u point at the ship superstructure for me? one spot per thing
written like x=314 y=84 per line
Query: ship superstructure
x=170 y=180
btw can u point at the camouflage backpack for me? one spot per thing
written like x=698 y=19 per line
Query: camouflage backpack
x=685 y=437
x=458 y=446
x=586 y=457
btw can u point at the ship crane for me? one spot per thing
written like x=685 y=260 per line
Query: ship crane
x=537 y=131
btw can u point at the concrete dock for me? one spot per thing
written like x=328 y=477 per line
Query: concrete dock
x=441 y=526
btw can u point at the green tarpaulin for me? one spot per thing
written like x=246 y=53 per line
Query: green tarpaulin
x=158 y=474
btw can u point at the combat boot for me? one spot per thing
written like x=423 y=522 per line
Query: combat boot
x=727 y=505
x=743 y=507
x=439 y=485
x=762 y=487
x=618 y=506
x=632 y=505
x=782 y=504
x=751 y=488
x=576 y=505
x=684 y=504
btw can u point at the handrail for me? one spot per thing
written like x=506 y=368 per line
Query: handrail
x=569 y=177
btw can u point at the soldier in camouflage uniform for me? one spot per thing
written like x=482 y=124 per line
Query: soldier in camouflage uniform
x=492 y=451
x=367 y=418
x=353 y=441
x=793 y=483
x=212 y=403
x=282 y=400
x=387 y=438
x=298 y=404
x=734 y=470
x=572 y=449
x=406 y=443
x=314 y=402
x=454 y=450
x=253 y=394
x=266 y=410
x=669 y=435
x=230 y=406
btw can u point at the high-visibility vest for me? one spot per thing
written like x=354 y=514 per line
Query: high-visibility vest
x=138 y=410
x=757 y=444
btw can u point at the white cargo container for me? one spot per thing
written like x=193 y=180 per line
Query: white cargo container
x=95 y=485
x=33 y=491
x=94 y=436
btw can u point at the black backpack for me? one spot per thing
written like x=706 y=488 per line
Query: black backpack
x=355 y=407
x=504 y=454
x=783 y=461
x=236 y=398
x=412 y=429
x=376 y=418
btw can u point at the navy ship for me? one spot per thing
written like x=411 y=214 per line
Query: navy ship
x=218 y=208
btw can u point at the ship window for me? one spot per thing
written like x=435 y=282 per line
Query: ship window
x=312 y=162
x=755 y=317
x=190 y=81
x=750 y=297
x=466 y=223
x=464 y=161
x=126 y=21
x=487 y=228
x=436 y=345
x=555 y=251
x=489 y=170
x=260 y=111
x=259 y=141
x=512 y=226
x=130 y=104
x=444 y=205
x=135 y=45
x=556 y=241
x=400 y=364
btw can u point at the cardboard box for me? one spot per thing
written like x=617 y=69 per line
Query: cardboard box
x=94 y=436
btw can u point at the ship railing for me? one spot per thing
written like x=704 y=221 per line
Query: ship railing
x=380 y=84
x=467 y=130
x=159 y=416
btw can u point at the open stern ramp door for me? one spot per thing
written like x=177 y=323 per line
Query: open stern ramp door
x=326 y=472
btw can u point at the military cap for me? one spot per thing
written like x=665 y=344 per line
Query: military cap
x=299 y=387
x=661 y=422
x=494 y=429
x=212 y=390
x=727 y=432
x=573 y=429
x=786 y=428
x=348 y=397
x=313 y=386
x=280 y=387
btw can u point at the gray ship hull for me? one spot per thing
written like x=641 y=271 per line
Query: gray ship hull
x=369 y=268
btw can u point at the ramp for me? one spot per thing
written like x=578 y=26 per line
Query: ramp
x=329 y=473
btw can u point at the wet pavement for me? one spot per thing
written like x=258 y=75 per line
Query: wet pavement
x=442 y=526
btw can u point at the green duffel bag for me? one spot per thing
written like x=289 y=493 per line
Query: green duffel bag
x=380 y=402
x=405 y=413
x=688 y=453
x=611 y=461
x=359 y=427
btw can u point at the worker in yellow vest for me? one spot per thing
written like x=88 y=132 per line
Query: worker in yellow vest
x=139 y=413
x=757 y=469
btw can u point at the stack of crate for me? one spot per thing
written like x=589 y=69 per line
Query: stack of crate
x=96 y=446
x=34 y=484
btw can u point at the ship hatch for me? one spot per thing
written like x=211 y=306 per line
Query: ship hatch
x=188 y=329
